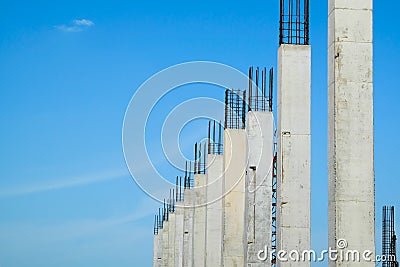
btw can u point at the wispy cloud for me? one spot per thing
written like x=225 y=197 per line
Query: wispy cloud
x=76 y=25
x=55 y=184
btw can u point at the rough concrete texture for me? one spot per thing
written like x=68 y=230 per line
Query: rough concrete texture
x=199 y=241
x=188 y=214
x=260 y=140
x=179 y=221
x=171 y=239
x=214 y=210
x=294 y=150
x=158 y=246
x=165 y=244
x=235 y=158
x=351 y=200
x=155 y=250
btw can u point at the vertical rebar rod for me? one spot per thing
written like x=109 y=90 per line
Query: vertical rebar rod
x=250 y=87
x=199 y=160
x=214 y=141
x=306 y=21
x=290 y=22
x=205 y=159
x=243 y=110
x=180 y=189
x=165 y=211
x=281 y=20
x=209 y=136
x=271 y=86
x=220 y=138
x=195 y=157
x=190 y=173
x=297 y=21
x=155 y=222
x=176 y=188
x=226 y=108
x=256 y=100
x=173 y=200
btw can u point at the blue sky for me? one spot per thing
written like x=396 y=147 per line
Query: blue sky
x=68 y=70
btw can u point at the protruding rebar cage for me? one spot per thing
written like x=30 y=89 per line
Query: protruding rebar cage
x=258 y=99
x=200 y=160
x=215 y=146
x=388 y=238
x=188 y=181
x=176 y=194
x=294 y=22
x=235 y=109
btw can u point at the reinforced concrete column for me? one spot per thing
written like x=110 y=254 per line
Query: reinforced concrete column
x=294 y=151
x=155 y=249
x=165 y=244
x=179 y=222
x=214 y=210
x=171 y=239
x=235 y=156
x=158 y=246
x=188 y=216
x=258 y=214
x=351 y=202
x=199 y=242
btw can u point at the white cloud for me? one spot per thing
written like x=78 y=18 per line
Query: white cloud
x=84 y=22
x=77 y=25
x=64 y=183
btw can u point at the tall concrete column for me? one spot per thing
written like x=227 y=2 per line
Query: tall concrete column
x=235 y=156
x=171 y=239
x=294 y=150
x=158 y=246
x=156 y=239
x=188 y=228
x=179 y=222
x=214 y=210
x=165 y=244
x=199 y=233
x=260 y=136
x=350 y=127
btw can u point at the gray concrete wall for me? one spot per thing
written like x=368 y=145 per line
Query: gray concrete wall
x=260 y=139
x=235 y=156
x=351 y=201
x=188 y=228
x=294 y=150
x=214 y=210
x=199 y=241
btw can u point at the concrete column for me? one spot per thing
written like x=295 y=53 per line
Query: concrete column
x=179 y=221
x=214 y=210
x=155 y=249
x=158 y=246
x=235 y=155
x=351 y=201
x=171 y=239
x=165 y=244
x=199 y=242
x=188 y=228
x=294 y=150
x=260 y=141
